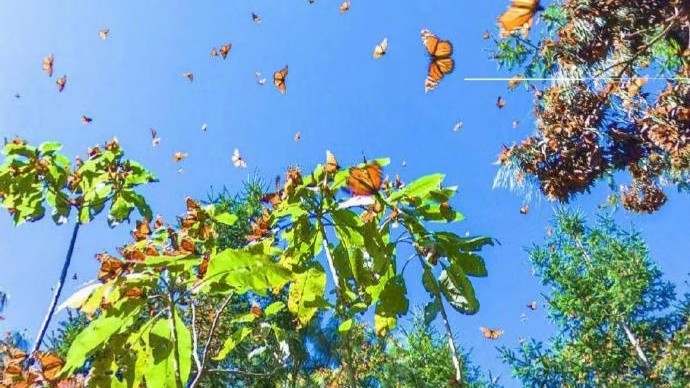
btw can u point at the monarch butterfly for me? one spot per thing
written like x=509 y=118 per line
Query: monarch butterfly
x=214 y=52
x=256 y=18
x=48 y=65
x=142 y=230
x=331 y=163
x=256 y=310
x=518 y=16
x=500 y=102
x=50 y=365
x=61 y=82
x=178 y=156
x=365 y=180
x=524 y=209
x=110 y=267
x=441 y=63
x=344 y=7
x=237 y=160
x=532 y=305
x=297 y=136
x=225 y=49
x=516 y=124
x=486 y=35
x=279 y=78
x=260 y=227
x=104 y=33
x=457 y=127
x=189 y=75
x=204 y=127
x=86 y=119
x=154 y=137
x=491 y=333
x=381 y=48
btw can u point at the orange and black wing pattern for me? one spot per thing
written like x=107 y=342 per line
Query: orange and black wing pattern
x=518 y=16
x=279 y=78
x=365 y=180
x=491 y=333
x=441 y=62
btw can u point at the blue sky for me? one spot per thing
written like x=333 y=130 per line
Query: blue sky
x=338 y=97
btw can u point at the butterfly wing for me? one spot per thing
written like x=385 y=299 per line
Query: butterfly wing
x=438 y=68
x=365 y=180
x=279 y=78
x=519 y=14
x=381 y=48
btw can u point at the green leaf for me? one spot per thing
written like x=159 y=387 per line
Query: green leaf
x=226 y=218
x=431 y=310
x=49 y=146
x=308 y=286
x=458 y=290
x=274 y=308
x=420 y=188
x=345 y=326
x=98 y=332
x=392 y=303
x=231 y=342
x=184 y=347
x=162 y=371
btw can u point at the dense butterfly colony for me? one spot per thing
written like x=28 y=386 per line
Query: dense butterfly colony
x=364 y=180
x=599 y=120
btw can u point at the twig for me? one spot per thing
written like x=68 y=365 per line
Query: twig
x=246 y=373
x=173 y=334
x=58 y=291
x=212 y=331
x=446 y=324
x=195 y=339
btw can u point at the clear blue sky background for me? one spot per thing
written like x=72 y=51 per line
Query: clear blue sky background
x=338 y=97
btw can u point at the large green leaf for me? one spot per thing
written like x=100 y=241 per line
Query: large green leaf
x=308 y=287
x=184 y=347
x=98 y=332
x=232 y=341
x=392 y=303
x=161 y=372
x=458 y=290
x=419 y=188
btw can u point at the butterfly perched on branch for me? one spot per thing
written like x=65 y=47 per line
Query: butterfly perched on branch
x=365 y=180
x=441 y=63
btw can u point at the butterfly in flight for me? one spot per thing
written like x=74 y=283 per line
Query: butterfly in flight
x=237 y=160
x=441 y=62
x=204 y=127
x=155 y=140
x=225 y=49
x=104 y=33
x=344 y=7
x=491 y=333
x=256 y=18
x=532 y=305
x=178 y=156
x=189 y=75
x=297 y=136
x=214 y=52
x=381 y=48
x=279 y=78
x=85 y=119
x=518 y=16
x=457 y=127
x=365 y=180
x=61 y=82
x=48 y=65
x=524 y=209
x=500 y=102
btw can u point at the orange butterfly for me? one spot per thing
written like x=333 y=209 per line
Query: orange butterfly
x=225 y=49
x=518 y=16
x=381 y=49
x=441 y=63
x=260 y=227
x=214 y=52
x=331 y=163
x=177 y=156
x=48 y=65
x=110 y=267
x=491 y=333
x=104 y=33
x=279 y=78
x=61 y=82
x=142 y=230
x=365 y=180
x=256 y=310
x=524 y=209
x=50 y=364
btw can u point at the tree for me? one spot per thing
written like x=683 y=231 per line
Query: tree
x=600 y=114
x=618 y=321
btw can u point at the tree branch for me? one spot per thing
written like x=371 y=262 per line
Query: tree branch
x=195 y=339
x=446 y=324
x=58 y=290
x=211 y=332
x=173 y=334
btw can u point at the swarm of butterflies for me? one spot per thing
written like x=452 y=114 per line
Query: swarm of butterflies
x=366 y=180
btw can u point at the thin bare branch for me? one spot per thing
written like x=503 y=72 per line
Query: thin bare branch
x=204 y=353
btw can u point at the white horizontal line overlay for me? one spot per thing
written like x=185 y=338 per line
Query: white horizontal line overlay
x=570 y=79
